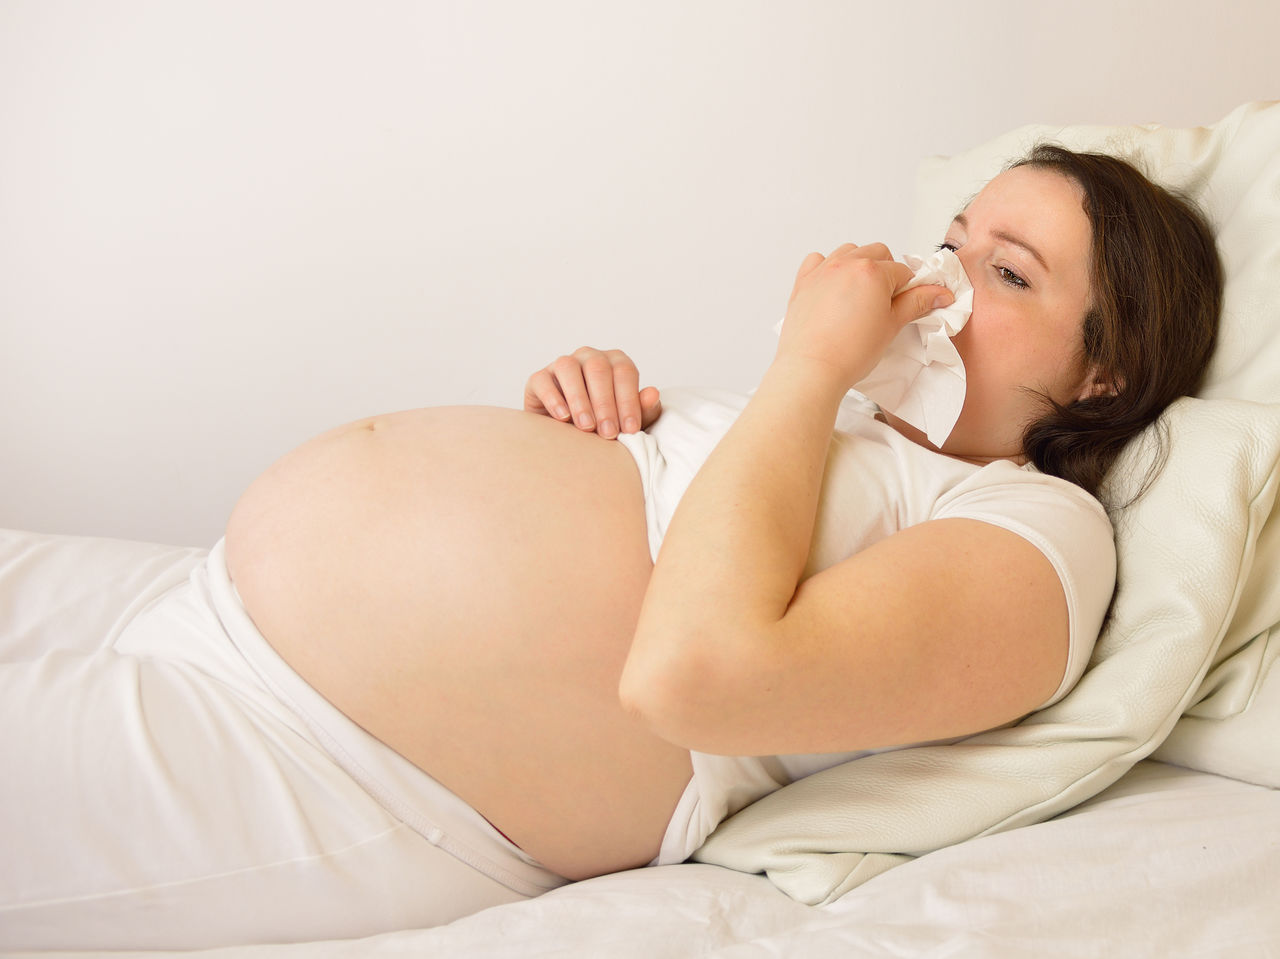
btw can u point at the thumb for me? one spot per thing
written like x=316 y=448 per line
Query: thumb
x=921 y=301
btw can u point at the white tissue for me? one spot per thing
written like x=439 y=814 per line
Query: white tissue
x=921 y=377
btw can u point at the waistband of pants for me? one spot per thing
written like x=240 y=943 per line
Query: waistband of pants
x=404 y=790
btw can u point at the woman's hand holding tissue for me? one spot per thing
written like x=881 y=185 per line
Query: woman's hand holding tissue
x=846 y=308
x=597 y=390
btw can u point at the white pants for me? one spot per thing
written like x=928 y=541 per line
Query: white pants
x=173 y=784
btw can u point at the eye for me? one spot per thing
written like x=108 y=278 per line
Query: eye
x=1007 y=276
x=1012 y=279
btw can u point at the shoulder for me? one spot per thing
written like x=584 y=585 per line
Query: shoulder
x=1045 y=509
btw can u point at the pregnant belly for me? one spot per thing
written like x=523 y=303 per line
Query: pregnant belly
x=464 y=583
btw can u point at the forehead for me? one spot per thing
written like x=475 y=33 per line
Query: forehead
x=1040 y=204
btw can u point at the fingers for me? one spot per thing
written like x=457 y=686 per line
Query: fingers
x=650 y=406
x=617 y=403
x=873 y=261
x=869 y=251
x=846 y=252
x=808 y=265
x=572 y=382
x=598 y=390
x=542 y=395
x=602 y=391
x=872 y=251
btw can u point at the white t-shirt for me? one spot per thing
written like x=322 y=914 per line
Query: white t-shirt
x=876 y=483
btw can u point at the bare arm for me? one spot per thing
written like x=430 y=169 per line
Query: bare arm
x=734 y=654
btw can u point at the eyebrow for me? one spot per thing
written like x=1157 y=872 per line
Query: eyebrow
x=1010 y=238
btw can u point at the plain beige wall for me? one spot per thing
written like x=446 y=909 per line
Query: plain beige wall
x=225 y=226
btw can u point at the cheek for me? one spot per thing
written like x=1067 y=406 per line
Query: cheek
x=984 y=345
x=1005 y=347
x=988 y=324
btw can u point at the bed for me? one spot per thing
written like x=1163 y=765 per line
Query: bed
x=1139 y=816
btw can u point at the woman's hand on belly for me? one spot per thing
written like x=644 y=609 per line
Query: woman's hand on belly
x=597 y=390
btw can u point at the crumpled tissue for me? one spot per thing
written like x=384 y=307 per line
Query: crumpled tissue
x=921 y=377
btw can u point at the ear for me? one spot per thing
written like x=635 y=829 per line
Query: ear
x=1098 y=382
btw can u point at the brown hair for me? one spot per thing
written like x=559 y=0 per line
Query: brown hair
x=1150 y=329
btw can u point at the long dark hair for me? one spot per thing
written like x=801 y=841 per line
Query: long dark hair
x=1152 y=323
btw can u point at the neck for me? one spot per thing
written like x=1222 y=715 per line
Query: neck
x=918 y=437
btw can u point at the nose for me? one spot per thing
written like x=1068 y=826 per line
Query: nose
x=969 y=260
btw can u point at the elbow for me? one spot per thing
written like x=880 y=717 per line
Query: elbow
x=658 y=698
x=686 y=700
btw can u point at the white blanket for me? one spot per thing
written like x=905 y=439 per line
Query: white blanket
x=1167 y=862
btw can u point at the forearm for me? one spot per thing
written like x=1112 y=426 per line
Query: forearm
x=737 y=544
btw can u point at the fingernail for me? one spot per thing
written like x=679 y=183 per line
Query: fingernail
x=630 y=424
x=584 y=421
x=607 y=429
x=941 y=300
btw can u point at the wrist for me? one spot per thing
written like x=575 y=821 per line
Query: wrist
x=818 y=380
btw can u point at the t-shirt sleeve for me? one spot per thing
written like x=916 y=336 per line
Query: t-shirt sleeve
x=1068 y=526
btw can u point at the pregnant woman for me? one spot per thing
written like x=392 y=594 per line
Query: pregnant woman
x=439 y=663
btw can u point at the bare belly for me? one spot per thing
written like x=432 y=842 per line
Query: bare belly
x=464 y=583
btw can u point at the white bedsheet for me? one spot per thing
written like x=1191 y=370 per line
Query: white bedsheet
x=1166 y=863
